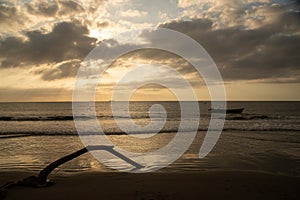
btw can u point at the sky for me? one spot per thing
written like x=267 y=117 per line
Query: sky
x=254 y=43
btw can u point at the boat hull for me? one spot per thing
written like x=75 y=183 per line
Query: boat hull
x=232 y=111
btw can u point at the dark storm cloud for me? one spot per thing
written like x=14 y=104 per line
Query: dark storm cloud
x=270 y=51
x=67 y=41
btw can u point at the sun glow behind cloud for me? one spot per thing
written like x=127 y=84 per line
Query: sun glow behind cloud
x=100 y=34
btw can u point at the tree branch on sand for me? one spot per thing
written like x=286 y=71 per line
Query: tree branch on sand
x=42 y=179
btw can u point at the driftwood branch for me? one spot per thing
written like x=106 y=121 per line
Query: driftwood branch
x=42 y=179
x=43 y=175
x=47 y=170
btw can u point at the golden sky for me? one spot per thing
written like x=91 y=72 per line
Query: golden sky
x=254 y=43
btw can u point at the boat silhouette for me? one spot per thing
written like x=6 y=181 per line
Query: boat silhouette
x=233 y=110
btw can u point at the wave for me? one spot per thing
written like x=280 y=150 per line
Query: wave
x=254 y=117
x=67 y=118
x=138 y=116
x=57 y=118
x=38 y=118
x=268 y=139
x=66 y=133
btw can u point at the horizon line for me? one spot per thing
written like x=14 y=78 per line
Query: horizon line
x=263 y=100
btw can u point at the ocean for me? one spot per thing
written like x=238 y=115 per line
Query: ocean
x=266 y=137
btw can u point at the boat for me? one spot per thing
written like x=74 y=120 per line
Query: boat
x=233 y=111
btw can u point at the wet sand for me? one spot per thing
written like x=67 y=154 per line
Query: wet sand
x=200 y=185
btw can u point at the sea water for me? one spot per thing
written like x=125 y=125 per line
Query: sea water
x=264 y=138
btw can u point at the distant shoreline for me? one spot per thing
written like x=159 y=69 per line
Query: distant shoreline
x=108 y=101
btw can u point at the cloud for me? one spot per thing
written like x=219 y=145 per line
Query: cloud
x=66 y=41
x=10 y=17
x=17 y=17
x=102 y=24
x=6 y=12
x=281 y=17
x=264 y=53
x=231 y=13
x=133 y=13
x=269 y=51
x=142 y=11
x=63 y=70
x=249 y=39
x=47 y=9
x=34 y=94
x=55 y=8
x=68 y=7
